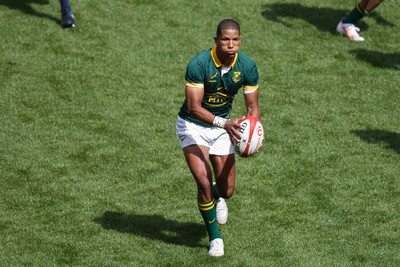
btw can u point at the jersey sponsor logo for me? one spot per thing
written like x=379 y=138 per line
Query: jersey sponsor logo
x=236 y=77
x=217 y=99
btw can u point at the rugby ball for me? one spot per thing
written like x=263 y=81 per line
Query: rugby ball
x=252 y=136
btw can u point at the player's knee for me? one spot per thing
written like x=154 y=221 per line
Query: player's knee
x=203 y=186
x=228 y=193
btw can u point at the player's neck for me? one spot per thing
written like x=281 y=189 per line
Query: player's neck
x=226 y=60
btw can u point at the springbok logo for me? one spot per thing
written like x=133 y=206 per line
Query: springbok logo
x=236 y=77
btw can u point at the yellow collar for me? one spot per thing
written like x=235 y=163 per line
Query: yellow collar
x=216 y=60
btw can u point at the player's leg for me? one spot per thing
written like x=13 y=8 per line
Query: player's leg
x=346 y=25
x=222 y=158
x=194 y=141
x=369 y=5
x=223 y=161
x=225 y=174
x=361 y=10
x=67 y=18
x=356 y=14
x=197 y=159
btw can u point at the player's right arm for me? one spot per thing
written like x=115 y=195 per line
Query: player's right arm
x=194 y=97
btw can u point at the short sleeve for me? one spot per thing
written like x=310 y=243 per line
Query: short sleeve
x=194 y=74
x=251 y=83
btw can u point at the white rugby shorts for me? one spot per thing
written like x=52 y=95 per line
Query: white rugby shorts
x=216 y=139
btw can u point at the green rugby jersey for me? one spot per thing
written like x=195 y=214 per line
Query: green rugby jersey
x=204 y=71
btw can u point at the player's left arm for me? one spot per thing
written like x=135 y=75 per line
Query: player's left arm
x=252 y=105
x=250 y=90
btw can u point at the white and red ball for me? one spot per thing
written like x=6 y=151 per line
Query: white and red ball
x=252 y=136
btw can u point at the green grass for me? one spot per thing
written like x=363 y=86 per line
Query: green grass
x=91 y=171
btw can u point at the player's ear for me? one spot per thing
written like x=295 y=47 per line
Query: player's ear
x=215 y=39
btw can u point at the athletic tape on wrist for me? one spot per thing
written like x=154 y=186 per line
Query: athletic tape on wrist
x=219 y=122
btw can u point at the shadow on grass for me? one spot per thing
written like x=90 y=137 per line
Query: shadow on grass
x=378 y=59
x=154 y=227
x=323 y=18
x=391 y=139
x=25 y=7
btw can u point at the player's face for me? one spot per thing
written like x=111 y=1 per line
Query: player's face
x=228 y=42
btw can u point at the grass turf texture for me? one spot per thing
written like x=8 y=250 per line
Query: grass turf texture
x=91 y=171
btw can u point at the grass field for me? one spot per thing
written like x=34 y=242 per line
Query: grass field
x=91 y=171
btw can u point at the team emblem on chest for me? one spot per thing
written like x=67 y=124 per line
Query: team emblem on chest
x=236 y=77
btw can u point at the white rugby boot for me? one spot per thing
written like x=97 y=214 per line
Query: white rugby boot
x=216 y=247
x=222 y=211
x=350 y=31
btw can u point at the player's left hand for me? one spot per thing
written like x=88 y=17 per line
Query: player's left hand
x=232 y=128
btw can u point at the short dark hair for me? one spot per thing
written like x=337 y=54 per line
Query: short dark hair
x=227 y=24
